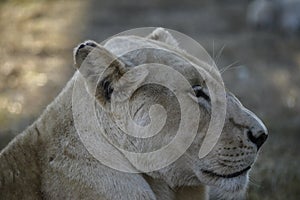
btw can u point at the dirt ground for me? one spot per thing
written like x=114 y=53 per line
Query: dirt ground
x=37 y=37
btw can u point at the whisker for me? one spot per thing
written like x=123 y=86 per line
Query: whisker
x=253 y=182
x=213 y=46
x=216 y=59
x=236 y=67
x=231 y=66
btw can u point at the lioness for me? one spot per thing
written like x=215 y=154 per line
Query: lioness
x=49 y=160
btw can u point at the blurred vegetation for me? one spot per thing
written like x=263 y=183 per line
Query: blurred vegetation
x=36 y=41
x=37 y=37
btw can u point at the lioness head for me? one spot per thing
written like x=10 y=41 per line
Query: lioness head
x=225 y=167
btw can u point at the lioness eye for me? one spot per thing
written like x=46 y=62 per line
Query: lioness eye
x=200 y=93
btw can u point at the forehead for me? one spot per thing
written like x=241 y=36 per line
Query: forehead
x=135 y=51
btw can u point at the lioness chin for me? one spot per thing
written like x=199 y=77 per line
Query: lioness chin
x=49 y=160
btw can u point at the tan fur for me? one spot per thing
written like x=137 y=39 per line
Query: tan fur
x=49 y=161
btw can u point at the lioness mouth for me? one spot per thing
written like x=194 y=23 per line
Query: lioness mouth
x=211 y=173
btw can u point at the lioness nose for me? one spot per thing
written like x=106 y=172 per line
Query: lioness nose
x=257 y=138
x=257 y=131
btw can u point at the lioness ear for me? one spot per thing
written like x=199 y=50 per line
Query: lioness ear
x=102 y=71
x=160 y=34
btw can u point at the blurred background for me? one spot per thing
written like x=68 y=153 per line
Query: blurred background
x=256 y=45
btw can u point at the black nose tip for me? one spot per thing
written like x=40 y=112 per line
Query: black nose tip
x=259 y=139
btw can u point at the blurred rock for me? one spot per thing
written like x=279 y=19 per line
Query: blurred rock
x=279 y=15
x=262 y=14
